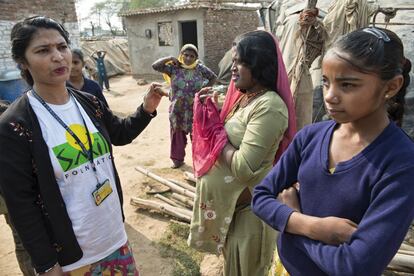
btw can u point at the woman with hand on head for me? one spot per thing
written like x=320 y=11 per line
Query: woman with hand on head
x=355 y=199
x=186 y=75
x=58 y=177
x=258 y=121
x=79 y=82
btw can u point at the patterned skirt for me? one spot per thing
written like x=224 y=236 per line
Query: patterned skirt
x=119 y=263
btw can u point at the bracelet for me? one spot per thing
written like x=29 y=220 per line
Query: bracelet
x=49 y=269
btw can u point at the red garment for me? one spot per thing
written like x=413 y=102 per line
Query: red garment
x=209 y=136
x=232 y=95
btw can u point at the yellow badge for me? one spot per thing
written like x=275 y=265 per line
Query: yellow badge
x=101 y=192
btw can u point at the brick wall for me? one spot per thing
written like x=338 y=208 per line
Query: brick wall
x=6 y=62
x=61 y=10
x=220 y=29
x=12 y=11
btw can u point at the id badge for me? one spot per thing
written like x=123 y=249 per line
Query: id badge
x=101 y=192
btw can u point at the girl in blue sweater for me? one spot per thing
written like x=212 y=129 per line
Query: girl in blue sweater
x=342 y=195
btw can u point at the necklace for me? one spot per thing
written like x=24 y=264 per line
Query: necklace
x=243 y=101
x=248 y=98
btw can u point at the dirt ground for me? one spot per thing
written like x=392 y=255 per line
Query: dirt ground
x=150 y=150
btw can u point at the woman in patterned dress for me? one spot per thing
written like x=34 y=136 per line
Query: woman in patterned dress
x=186 y=75
x=258 y=123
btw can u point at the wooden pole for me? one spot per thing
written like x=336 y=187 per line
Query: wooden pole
x=406 y=252
x=188 y=202
x=166 y=200
x=402 y=263
x=173 y=186
x=312 y=4
x=180 y=204
x=184 y=185
x=407 y=246
x=154 y=189
x=162 y=207
x=190 y=177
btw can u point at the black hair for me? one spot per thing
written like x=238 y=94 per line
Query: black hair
x=22 y=33
x=257 y=51
x=3 y=106
x=379 y=51
x=79 y=54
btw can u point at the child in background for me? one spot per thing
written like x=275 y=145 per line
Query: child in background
x=78 y=81
x=99 y=57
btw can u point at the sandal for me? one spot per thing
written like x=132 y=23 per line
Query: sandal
x=176 y=164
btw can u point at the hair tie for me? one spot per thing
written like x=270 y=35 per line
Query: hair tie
x=380 y=34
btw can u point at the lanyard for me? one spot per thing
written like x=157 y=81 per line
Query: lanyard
x=88 y=153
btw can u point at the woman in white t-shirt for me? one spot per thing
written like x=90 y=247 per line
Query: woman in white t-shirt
x=58 y=177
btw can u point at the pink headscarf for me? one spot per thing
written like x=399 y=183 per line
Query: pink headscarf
x=209 y=135
x=283 y=90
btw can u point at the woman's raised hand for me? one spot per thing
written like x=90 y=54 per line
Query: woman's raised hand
x=209 y=92
x=175 y=61
x=205 y=91
x=153 y=97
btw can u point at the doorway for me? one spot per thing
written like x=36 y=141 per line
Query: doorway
x=189 y=33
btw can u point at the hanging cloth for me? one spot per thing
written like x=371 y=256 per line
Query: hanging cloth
x=346 y=16
x=209 y=136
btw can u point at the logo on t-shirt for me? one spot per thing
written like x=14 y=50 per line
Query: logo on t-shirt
x=70 y=154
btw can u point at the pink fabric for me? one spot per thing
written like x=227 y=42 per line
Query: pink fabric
x=208 y=125
x=232 y=95
x=283 y=89
x=209 y=136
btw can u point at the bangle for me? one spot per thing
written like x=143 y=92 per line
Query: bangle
x=49 y=269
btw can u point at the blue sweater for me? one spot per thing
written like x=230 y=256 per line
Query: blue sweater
x=374 y=189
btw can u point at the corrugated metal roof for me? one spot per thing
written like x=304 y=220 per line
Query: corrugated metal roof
x=184 y=7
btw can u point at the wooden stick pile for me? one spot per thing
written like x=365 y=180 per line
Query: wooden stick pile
x=403 y=261
x=179 y=204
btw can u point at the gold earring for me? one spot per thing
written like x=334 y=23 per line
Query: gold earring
x=387 y=96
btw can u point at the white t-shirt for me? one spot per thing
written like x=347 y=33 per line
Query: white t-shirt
x=98 y=229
